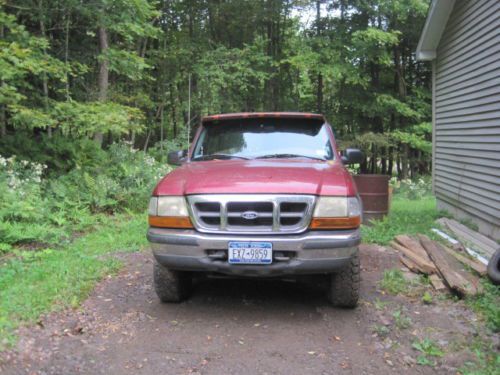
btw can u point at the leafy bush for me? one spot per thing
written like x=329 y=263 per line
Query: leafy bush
x=25 y=214
x=34 y=208
x=58 y=153
x=412 y=189
x=161 y=149
x=124 y=182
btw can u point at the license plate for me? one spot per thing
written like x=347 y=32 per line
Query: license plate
x=250 y=252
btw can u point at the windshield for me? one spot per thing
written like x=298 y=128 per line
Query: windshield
x=264 y=138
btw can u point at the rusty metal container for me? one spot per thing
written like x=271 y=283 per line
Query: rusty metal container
x=374 y=192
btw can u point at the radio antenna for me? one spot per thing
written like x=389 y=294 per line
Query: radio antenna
x=189 y=118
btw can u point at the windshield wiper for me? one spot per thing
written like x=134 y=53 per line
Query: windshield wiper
x=285 y=156
x=219 y=156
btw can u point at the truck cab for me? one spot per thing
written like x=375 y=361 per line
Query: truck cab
x=258 y=195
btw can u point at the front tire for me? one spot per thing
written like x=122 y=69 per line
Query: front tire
x=170 y=285
x=344 y=285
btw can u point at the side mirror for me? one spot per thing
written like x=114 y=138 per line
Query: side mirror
x=352 y=156
x=176 y=157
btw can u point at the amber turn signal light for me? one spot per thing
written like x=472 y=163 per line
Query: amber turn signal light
x=170 y=222
x=335 y=222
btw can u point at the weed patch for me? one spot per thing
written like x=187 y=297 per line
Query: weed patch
x=487 y=360
x=381 y=330
x=487 y=305
x=429 y=350
x=394 y=282
x=401 y=320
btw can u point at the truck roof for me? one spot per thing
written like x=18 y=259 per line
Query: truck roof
x=244 y=115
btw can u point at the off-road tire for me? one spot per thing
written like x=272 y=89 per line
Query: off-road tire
x=344 y=285
x=494 y=268
x=170 y=285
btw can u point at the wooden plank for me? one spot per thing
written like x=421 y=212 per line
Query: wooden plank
x=424 y=265
x=450 y=269
x=413 y=245
x=476 y=239
x=475 y=265
x=412 y=266
x=437 y=283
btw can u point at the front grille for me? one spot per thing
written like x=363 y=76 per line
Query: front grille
x=251 y=213
x=208 y=212
x=263 y=211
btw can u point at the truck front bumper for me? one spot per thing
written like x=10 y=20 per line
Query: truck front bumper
x=312 y=252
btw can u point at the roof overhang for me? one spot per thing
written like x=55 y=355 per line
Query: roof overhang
x=243 y=115
x=438 y=15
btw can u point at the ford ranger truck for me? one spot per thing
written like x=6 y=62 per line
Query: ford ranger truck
x=258 y=195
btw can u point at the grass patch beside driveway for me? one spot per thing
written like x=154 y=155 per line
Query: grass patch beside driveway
x=405 y=217
x=34 y=283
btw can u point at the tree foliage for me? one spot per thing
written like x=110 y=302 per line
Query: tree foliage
x=121 y=68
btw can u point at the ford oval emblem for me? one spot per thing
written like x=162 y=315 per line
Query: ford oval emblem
x=249 y=215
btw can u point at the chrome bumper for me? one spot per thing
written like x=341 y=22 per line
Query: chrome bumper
x=307 y=253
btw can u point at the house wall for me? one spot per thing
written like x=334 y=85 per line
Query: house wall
x=467 y=115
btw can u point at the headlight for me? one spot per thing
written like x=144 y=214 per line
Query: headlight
x=169 y=212
x=354 y=207
x=172 y=206
x=331 y=207
x=337 y=213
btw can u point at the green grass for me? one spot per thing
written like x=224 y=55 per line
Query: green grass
x=405 y=217
x=33 y=283
x=487 y=305
x=429 y=350
x=381 y=330
x=401 y=320
x=487 y=360
x=394 y=282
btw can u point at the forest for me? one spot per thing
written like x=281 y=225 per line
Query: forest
x=134 y=70
x=94 y=94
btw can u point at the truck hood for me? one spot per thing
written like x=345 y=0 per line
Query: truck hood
x=270 y=176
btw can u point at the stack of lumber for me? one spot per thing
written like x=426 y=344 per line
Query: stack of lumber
x=468 y=238
x=446 y=268
x=413 y=255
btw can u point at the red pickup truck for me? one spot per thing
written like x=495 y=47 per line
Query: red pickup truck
x=258 y=195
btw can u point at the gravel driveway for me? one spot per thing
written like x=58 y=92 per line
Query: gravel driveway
x=241 y=327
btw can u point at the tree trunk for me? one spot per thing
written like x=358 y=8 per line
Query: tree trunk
x=3 y=119
x=383 y=161
x=66 y=53
x=161 y=130
x=45 y=83
x=319 y=93
x=404 y=161
x=173 y=111
x=103 y=76
x=391 y=161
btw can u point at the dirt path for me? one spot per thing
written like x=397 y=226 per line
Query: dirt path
x=240 y=327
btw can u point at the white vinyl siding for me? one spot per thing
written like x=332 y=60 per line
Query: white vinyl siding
x=467 y=114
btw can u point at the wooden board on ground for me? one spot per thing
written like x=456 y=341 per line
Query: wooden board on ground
x=450 y=268
x=478 y=267
x=424 y=265
x=411 y=265
x=437 y=283
x=472 y=238
x=413 y=245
